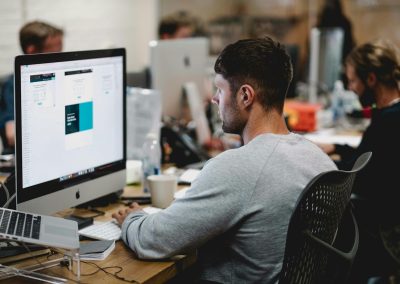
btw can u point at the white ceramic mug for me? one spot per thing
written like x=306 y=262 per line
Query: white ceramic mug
x=162 y=189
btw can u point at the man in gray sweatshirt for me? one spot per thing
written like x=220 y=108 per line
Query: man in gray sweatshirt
x=237 y=211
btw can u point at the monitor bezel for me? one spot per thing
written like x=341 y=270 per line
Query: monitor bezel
x=55 y=185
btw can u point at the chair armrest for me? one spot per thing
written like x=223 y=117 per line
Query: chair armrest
x=346 y=255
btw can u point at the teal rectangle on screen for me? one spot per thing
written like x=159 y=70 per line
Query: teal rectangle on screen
x=85 y=116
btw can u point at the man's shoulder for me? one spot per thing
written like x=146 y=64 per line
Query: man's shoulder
x=8 y=84
x=8 y=79
x=388 y=118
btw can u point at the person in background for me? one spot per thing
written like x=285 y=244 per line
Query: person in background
x=237 y=211
x=332 y=16
x=373 y=71
x=34 y=37
x=178 y=25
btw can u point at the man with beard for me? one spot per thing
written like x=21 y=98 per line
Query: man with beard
x=373 y=71
x=237 y=211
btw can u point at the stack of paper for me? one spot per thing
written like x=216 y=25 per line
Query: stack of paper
x=97 y=250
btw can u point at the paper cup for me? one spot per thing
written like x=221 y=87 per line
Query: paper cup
x=162 y=189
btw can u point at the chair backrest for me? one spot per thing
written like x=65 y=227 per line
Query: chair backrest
x=314 y=227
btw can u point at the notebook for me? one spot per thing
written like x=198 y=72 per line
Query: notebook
x=97 y=250
x=38 y=229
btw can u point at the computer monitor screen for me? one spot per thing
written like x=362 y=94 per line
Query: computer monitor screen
x=70 y=128
x=173 y=63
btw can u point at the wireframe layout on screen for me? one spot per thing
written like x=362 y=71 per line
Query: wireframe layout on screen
x=70 y=128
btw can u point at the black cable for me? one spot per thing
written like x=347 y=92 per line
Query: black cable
x=115 y=274
x=9 y=198
x=99 y=212
x=104 y=269
x=6 y=191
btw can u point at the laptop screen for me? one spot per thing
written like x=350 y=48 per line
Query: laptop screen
x=70 y=119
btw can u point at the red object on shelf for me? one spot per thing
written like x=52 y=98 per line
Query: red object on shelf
x=367 y=112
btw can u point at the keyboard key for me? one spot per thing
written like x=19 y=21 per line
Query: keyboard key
x=36 y=227
x=13 y=223
x=28 y=226
x=4 y=222
x=20 y=224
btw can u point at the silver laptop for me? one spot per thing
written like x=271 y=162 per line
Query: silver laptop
x=38 y=229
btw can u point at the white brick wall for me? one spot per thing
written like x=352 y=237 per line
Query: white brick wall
x=10 y=22
x=88 y=24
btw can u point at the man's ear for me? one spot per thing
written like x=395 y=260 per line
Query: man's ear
x=371 y=80
x=247 y=95
x=31 y=49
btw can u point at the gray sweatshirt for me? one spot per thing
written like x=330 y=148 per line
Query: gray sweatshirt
x=236 y=212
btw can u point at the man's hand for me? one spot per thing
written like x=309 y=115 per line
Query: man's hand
x=327 y=148
x=10 y=132
x=121 y=214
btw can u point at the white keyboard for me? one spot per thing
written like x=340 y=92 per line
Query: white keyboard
x=184 y=176
x=102 y=231
x=189 y=175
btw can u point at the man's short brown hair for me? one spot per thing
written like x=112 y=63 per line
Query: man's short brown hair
x=35 y=33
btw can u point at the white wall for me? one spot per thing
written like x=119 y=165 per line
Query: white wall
x=88 y=24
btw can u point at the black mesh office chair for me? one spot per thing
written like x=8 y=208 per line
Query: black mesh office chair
x=323 y=235
x=390 y=236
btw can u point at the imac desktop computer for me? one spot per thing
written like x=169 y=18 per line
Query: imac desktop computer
x=173 y=63
x=70 y=128
x=178 y=70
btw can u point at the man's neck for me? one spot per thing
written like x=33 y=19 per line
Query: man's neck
x=262 y=122
x=386 y=96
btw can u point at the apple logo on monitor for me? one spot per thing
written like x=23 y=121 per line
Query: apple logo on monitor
x=186 y=61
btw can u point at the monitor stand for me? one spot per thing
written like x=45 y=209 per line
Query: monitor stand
x=197 y=110
x=102 y=201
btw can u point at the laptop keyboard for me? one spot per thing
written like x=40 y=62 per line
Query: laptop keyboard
x=19 y=224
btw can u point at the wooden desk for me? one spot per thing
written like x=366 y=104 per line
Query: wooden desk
x=133 y=269
x=332 y=136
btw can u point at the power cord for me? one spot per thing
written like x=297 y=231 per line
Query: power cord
x=65 y=263
x=10 y=181
x=62 y=263
x=94 y=210
x=9 y=198
x=115 y=274
x=99 y=268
